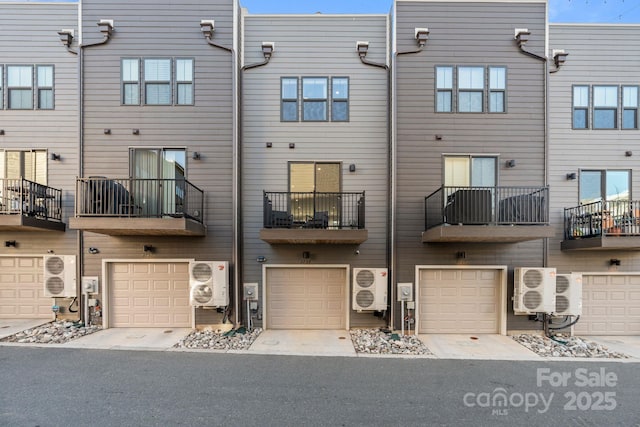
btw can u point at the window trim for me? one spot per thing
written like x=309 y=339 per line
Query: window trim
x=123 y=82
x=587 y=118
x=450 y=90
x=346 y=100
x=289 y=100
x=482 y=91
x=51 y=88
x=31 y=88
x=179 y=82
x=623 y=108
x=1 y=86
x=503 y=91
x=325 y=100
x=145 y=81
x=614 y=109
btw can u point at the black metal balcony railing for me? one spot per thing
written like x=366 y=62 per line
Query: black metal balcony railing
x=313 y=210
x=24 y=197
x=138 y=197
x=487 y=206
x=613 y=218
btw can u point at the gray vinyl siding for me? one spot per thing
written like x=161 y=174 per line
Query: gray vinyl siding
x=598 y=54
x=315 y=46
x=479 y=34
x=28 y=36
x=162 y=29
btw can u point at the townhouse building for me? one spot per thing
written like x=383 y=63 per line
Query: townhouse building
x=38 y=155
x=593 y=128
x=470 y=185
x=193 y=164
x=315 y=161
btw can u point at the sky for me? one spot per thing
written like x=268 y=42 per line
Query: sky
x=586 y=11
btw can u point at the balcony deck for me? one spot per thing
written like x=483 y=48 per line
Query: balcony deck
x=138 y=207
x=612 y=225
x=486 y=214
x=313 y=218
x=28 y=206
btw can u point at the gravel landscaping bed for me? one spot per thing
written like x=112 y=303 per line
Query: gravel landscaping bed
x=376 y=341
x=569 y=347
x=52 y=333
x=215 y=340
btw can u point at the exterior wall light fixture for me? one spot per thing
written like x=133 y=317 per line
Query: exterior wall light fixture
x=510 y=163
x=559 y=58
x=195 y=156
x=571 y=176
x=614 y=261
x=55 y=156
x=10 y=244
x=422 y=35
x=521 y=36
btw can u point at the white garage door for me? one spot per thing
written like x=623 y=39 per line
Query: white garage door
x=306 y=298
x=22 y=289
x=149 y=295
x=452 y=301
x=610 y=305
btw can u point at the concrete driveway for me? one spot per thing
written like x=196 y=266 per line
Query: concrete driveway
x=130 y=339
x=13 y=326
x=302 y=343
x=488 y=347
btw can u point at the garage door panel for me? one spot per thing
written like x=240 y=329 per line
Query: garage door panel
x=22 y=289
x=458 y=301
x=306 y=298
x=149 y=295
x=610 y=306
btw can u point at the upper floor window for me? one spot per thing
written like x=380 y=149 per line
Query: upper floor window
x=470 y=89
x=497 y=89
x=27 y=164
x=314 y=98
x=470 y=171
x=629 y=107
x=165 y=81
x=157 y=81
x=131 y=81
x=184 y=81
x=20 y=87
x=605 y=107
x=289 y=99
x=340 y=99
x=604 y=185
x=444 y=89
x=581 y=107
x=45 y=86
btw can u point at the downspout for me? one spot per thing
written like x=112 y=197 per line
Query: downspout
x=545 y=246
x=394 y=149
x=362 y=54
x=80 y=53
x=207 y=28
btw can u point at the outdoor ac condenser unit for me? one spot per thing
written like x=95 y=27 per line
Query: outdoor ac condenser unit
x=369 y=289
x=209 y=283
x=59 y=276
x=568 y=294
x=534 y=290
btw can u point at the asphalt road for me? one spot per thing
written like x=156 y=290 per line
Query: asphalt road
x=69 y=387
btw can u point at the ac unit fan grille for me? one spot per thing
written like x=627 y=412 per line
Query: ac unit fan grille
x=55 y=265
x=202 y=272
x=365 y=298
x=562 y=284
x=532 y=278
x=365 y=278
x=562 y=304
x=532 y=299
x=55 y=285
x=202 y=294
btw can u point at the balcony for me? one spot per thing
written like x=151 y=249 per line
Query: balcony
x=138 y=207
x=28 y=206
x=602 y=226
x=313 y=218
x=487 y=214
